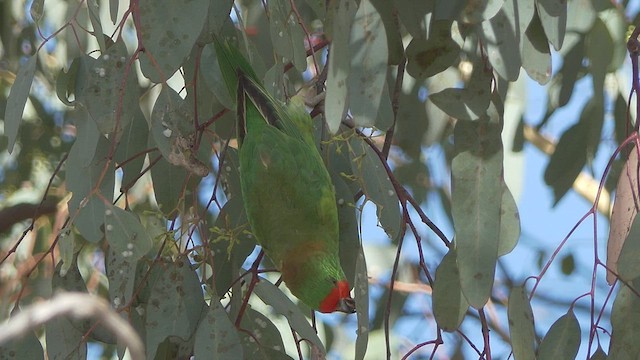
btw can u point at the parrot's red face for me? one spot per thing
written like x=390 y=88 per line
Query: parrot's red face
x=339 y=299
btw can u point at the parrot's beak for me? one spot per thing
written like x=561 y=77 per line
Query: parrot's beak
x=346 y=305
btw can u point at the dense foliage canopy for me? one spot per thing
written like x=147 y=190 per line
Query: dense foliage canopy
x=122 y=224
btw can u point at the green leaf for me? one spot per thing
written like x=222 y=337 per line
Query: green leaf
x=562 y=341
x=134 y=140
x=87 y=139
x=286 y=34
x=376 y=186
x=500 y=38
x=217 y=335
x=567 y=160
x=262 y=336
x=476 y=183
x=478 y=11
x=340 y=16
x=271 y=295
x=27 y=347
x=231 y=243
x=628 y=265
x=99 y=89
x=388 y=14
x=168 y=30
x=625 y=315
x=521 y=327
x=509 y=223
x=623 y=215
x=94 y=16
x=168 y=185
x=175 y=305
x=125 y=233
x=553 y=15
x=369 y=55
x=469 y=103
x=63 y=335
x=18 y=99
x=81 y=180
x=427 y=57
x=361 y=290
x=536 y=56
x=350 y=245
x=413 y=15
x=449 y=305
x=213 y=76
x=121 y=273
x=66 y=82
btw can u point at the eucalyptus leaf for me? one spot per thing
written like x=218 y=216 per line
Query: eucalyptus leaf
x=17 y=100
x=521 y=328
x=168 y=30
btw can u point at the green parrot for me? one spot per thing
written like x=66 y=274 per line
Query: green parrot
x=287 y=192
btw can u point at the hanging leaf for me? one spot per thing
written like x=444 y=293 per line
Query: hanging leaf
x=18 y=99
x=553 y=15
x=521 y=327
x=263 y=337
x=286 y=34
x=282 y=305
x=625 y=315
x=536 y=56
x=376 y=186
x=368 y=74
x=469 y=103
x=217 y=335
x=562 y=341
x=168 y=30
x=449 y=305
x=623 y=214
x=476 y=183
x=427 y=57
x=340 y=14
x=99 y=88
x=500 y=38
x=81 y=180
x=125 y=234
x=361 y=290
x=175 y=305
x=567 y=160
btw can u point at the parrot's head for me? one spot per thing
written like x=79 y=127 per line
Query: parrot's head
x=318 y=280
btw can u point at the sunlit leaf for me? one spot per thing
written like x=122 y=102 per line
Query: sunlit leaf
x=553 y=15
x=536 y=56
x=500 y=38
